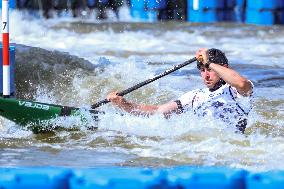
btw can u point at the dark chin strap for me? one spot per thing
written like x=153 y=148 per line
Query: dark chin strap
x=219 y=84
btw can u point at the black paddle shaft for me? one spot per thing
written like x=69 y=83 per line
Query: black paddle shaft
x=122 y=93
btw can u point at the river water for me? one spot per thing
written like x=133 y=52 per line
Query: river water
x=77 y=62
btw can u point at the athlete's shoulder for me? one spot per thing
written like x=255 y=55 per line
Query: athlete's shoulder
x=236 y=94
x=193 y=92
x=189 y=96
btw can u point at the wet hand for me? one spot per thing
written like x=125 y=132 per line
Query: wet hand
x=202 y=55
x=115 y=98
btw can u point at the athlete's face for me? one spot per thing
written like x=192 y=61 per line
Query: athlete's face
x=210 y=78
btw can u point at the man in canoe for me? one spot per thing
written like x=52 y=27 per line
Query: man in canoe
x=227 y=96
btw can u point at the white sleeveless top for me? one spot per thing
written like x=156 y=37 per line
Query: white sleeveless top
x=225 y=103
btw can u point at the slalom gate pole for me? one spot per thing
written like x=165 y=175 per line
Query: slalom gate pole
x=5 y=53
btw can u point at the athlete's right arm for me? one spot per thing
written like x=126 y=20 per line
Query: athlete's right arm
x=141 y=109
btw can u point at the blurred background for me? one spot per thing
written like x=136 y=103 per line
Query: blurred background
x=244 y=11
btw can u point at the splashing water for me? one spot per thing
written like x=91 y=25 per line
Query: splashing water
x=77 y=63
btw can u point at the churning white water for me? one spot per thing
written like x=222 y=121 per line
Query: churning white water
x=125 y=53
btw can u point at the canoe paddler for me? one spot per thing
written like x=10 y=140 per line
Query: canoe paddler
x=227 y=96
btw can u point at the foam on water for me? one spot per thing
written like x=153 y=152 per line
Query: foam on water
x=127 y=57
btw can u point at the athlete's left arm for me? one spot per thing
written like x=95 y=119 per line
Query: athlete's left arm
x=233 y=78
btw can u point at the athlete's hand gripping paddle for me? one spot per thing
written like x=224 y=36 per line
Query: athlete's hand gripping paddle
x=129 y=90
